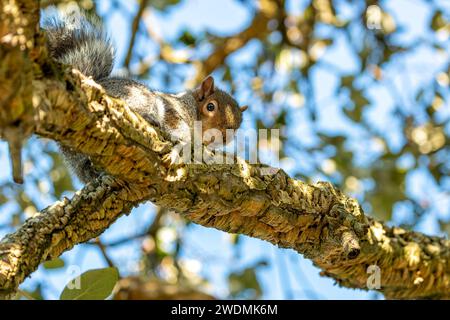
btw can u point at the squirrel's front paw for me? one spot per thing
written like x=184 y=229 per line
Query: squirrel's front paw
x=172 y=158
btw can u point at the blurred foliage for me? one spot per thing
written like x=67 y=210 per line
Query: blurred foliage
x=244 y=284
x=54 y=264
x=388 y=136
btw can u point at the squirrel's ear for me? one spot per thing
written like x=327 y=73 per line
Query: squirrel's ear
x=207 y=87
x=243 y=108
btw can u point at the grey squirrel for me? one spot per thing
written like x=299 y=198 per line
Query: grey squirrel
x=80 y=41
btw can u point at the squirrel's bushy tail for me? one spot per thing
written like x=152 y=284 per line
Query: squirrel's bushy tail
x=77 y=39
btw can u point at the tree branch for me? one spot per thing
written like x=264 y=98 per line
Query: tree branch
x=316 y=220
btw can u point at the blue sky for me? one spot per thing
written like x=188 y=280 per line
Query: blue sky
x=288 y=275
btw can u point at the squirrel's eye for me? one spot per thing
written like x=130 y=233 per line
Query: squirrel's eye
x=210 y=107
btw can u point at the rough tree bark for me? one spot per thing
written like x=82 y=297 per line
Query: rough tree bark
x=317 y=220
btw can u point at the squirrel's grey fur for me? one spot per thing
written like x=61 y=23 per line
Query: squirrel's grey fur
x=79 y=40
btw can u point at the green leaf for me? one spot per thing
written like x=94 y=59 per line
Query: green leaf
x=347 y=81
x=163 y=4
x=438 y=20
x=246 y=282
x=96 y=284
x=359 y=101
x=3 y=199
x=187 y=38
x=238 y=283
x=358 y=98
x=54 y=264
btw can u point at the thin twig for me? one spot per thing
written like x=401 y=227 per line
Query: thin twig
x=102 y=248
x=25 y=294
x=134 y=30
